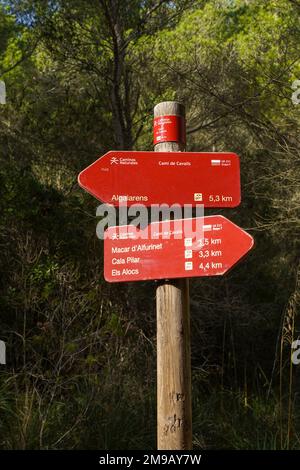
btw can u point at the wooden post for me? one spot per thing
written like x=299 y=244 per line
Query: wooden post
x=174 y=413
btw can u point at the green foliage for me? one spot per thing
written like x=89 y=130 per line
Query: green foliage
x=83 y=79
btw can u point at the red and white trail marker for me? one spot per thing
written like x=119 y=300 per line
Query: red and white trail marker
x=168 y=253
x=211 y=179
x=169 y=129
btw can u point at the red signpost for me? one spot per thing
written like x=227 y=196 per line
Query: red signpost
x=170 y=250
x=173 y=250
x=211 y=179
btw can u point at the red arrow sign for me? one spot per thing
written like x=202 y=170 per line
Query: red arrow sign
x=209 y=246
x=211 y=179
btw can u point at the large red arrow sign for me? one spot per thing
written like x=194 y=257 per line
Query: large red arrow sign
x=211 y=179
x=209 y=246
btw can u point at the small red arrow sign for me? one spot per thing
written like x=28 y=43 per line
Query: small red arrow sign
x=203 y=246
x=211 y=179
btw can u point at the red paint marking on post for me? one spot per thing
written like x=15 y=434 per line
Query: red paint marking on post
x=169 y=129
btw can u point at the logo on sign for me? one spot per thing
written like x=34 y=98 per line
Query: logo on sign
x=123 y=161
x=198 y=197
